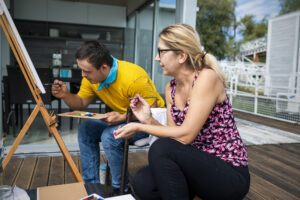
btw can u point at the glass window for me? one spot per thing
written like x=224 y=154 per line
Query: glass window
x=166 y=16
x=129 y=39
x=141 y=52
x=144 y=38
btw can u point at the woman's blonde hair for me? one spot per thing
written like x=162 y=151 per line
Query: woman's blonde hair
x=184 y=38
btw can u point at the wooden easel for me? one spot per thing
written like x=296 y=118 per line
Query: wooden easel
x=16 y=45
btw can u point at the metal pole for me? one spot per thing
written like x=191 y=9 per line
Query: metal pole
x=154 y=37
x=135 y=50
x=256 y=94
x=125 y=155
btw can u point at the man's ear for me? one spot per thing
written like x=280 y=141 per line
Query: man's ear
x=104 y=68
x=183 y=56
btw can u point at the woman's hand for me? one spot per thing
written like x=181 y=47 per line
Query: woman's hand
x=127 y=131
x=141 y=109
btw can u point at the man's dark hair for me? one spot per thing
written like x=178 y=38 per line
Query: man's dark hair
x=97 y=54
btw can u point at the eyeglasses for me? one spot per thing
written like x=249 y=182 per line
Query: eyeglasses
x=162 y=50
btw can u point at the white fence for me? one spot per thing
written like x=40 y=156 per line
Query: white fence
x=246 y=85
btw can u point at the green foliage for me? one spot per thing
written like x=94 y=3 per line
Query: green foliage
x=214 y=23
x=247 y=25
x=251 y=30
x=250 y=90
x=288 y=6
x=231 y=47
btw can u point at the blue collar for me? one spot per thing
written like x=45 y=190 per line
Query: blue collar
x=111 y=76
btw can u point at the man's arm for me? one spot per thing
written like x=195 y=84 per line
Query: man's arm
x=75 y=102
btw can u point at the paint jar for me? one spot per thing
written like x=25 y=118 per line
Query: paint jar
x=6 y=192
x=65 y=73
x=56 y=59
x=55 y=71
x=108 y=36
x=102 y=173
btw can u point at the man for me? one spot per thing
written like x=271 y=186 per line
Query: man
x=114 y=82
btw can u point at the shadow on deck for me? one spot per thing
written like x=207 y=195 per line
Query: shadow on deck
x=275 y=171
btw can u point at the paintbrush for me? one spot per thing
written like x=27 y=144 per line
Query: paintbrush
x=142 y=97
x=51 y=84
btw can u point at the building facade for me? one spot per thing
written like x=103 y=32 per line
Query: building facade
x=128 y=27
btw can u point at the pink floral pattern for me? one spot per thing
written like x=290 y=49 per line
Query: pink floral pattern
x=219 y=135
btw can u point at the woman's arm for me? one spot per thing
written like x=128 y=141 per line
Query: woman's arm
x=203 y=97
x=142 y=111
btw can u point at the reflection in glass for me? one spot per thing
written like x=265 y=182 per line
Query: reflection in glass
x=166 y=17
x=144 y=38
x=129 y=39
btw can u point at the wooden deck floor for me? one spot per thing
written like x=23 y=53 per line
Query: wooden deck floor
x=275 y=171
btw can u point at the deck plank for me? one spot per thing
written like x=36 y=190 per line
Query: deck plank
x=11 y=171
x=253 y=194
x=286 y=150
x=279 y=170
x=294 y=148
x=24 y=176
x=69 y=177
x=278 y=159
x=136 y=161
x=279 y=154
x=274 y=180
x=102 y=159
x=79 y=164
x=274 y=169
x=57 y=171
x=41 y=172
x=259 y=165
x=266 y=189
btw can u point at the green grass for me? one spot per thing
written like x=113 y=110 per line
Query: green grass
x=248 y=105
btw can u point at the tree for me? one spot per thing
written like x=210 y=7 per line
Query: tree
x=289 y=6
x=251 y=30
x=214 y=24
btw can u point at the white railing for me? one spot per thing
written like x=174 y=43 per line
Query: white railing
x=246 y=89
x=255 y=46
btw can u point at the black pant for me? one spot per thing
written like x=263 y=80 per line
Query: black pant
x=178 y=171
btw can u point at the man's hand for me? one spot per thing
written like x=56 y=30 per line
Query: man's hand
x=113 y=118
x=59 y=89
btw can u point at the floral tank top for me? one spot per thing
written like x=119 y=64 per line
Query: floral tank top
x=219 y=135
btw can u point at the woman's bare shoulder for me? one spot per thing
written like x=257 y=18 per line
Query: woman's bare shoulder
x=208 y=75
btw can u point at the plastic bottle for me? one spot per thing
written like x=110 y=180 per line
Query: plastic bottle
x=102 y=173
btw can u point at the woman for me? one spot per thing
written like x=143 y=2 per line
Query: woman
x=200 y=151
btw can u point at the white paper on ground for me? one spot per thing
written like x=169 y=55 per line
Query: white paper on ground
x=122 y=197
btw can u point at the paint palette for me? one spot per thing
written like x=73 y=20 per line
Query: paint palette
x=82 y=114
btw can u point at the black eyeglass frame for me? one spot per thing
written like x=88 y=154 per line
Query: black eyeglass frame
x=162 y=50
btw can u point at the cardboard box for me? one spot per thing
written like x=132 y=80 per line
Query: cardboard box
x=62 y=192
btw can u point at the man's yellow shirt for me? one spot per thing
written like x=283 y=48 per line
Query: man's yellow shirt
x=131 y=80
